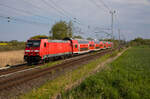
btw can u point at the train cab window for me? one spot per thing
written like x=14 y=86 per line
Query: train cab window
x=44 y=44
x=76 y=46
x=33 y=43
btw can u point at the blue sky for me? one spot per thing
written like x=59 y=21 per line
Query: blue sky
x=132 y=17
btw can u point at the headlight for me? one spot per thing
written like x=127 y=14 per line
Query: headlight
x=27 y=50
x=36 y=50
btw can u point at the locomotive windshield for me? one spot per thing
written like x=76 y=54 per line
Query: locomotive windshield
x=33 y=43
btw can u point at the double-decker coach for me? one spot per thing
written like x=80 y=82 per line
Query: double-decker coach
x=91 y=45
x=82 y=46
x=97 y=45
x=101 y=45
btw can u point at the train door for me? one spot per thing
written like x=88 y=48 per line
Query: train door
x=76 y=47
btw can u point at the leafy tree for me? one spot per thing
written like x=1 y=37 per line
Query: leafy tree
x=78 y=37
x=61 y=30
x=140 y=41
x=89 y=38
x=39 y=36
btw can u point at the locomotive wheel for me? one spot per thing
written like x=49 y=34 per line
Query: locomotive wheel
x=43 y=61
x=46 y=60
x=63 y=57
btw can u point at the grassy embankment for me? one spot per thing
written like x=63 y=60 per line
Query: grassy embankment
x=58 y=85
x=128 y=77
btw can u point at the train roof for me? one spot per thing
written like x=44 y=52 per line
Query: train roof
x=58 y=41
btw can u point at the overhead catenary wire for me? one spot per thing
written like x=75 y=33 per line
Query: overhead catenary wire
x=66 y=12
x=96 y=4
x=23 y=19
x=34 y=6
x=55 y=8
x=10 y=18
x=106 y=6
x=99 y=6
x=24 y=11
x=61 y=11
x=112 y=12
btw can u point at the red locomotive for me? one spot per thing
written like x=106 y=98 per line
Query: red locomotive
x=44 y=50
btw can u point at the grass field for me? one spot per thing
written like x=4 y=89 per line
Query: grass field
x=128 y=77
x=11 y=57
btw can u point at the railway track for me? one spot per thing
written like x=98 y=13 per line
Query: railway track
x=15 y=68
x=23 y=76
x=24 y=67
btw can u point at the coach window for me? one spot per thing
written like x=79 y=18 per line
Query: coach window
x=44 y=44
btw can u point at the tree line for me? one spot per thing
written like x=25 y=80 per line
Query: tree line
x=139 y=41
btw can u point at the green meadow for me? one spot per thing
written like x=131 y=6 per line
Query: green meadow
x=128 y=77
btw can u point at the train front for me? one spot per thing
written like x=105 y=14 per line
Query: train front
x=32 y=51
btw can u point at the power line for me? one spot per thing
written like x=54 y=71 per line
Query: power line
x=66 y=12
x=59 y=7
x=9 y=18
x=6 y=15
x=95 y=3
x=106 y=6
x=49 y=5
x=60 y=10
x=112 y=12
x=34 y=6
x=24 y=11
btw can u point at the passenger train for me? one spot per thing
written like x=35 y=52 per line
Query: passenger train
x=43 y=50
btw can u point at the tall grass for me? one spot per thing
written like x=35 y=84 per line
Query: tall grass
x=11 y=58
x=128 y=77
